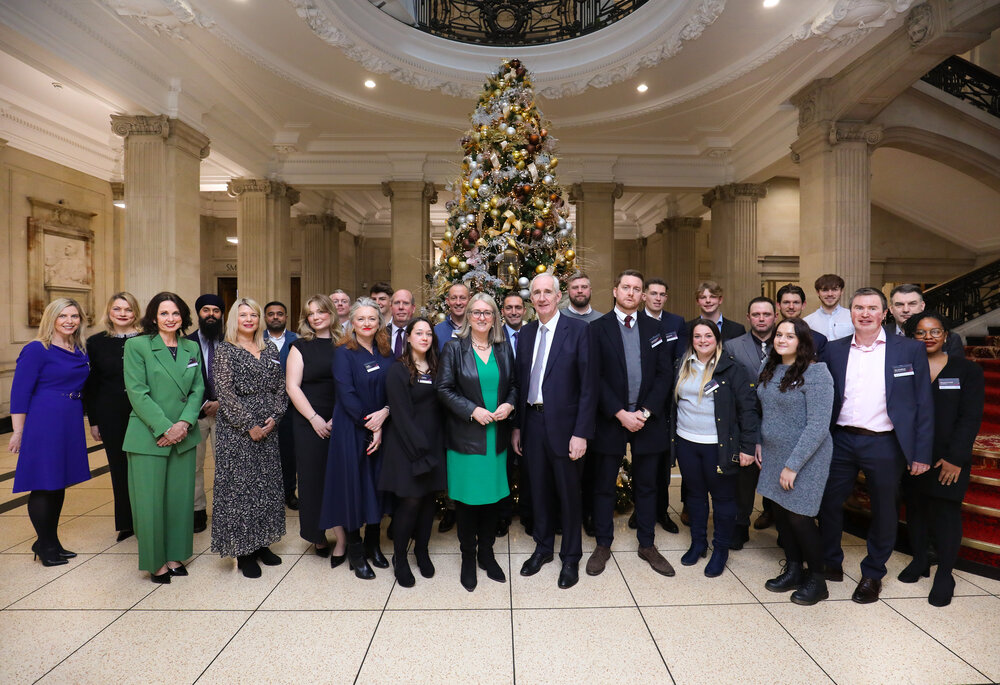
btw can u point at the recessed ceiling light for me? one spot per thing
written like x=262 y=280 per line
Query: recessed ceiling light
x=369 y=84
x=771 y=3
x=233 y=240
x=642 y=87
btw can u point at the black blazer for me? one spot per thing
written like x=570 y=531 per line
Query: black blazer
x=612 y=395
x=730 y=329
x=458 y=388
x=674 y=325
x=210 y=395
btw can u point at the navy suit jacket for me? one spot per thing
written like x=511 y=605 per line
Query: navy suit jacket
x=908 y=398
x=569 y=386
x=654 y=389
x=674 y=324
x=290 y=337
x=730 y=329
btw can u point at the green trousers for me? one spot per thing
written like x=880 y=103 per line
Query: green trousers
x=162 y=493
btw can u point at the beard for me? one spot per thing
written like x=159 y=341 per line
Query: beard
x=275 y=327
x=579 y=301
x=211 y=328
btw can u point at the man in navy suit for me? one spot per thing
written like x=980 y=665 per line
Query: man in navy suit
x=883 y=423
x=634 y=381
x=553 y=422
x=275 y=320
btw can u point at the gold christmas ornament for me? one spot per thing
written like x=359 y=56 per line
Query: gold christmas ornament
x=448 y=235
x=439 y=317
x=541 y=268
x=553 y=163
x=570 y=254
x=453 y=261
x=476 y=182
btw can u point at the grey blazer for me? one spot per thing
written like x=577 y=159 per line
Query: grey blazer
x=744 y=349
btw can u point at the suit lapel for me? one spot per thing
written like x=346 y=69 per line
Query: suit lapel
x=614 y=336
x=891 y=359
x=557 y=340
x=170 y=365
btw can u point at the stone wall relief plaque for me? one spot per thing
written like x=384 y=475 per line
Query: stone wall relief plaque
x=60 y=257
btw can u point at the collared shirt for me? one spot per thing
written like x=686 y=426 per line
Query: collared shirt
x=763 y=346
x=542 y=356
x=833 y=325
x=864 y=387
x=650 y=314
x=512 y=337
x=621 y=317
x=278 y=341
x=394 y=331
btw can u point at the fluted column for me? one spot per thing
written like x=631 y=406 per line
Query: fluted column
x=313 y=255
x=333 y=227
x=595 y=236
x=162 y=179
x=263 y=212
x=410 y=246
x=680 y=262
x=734 y=243
x=834 y=200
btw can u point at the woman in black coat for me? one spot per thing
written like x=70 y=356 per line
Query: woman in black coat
x=934 y=498
x=413 y=465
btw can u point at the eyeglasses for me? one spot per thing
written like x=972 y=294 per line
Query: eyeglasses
x=932 y=333
x=481 y=314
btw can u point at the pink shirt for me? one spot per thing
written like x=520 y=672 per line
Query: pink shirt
x=864 y=387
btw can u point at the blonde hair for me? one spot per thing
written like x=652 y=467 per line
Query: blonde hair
x=232 y=322
x=109 y=326
x=687 y=368
x=350 y=337
x=47 y=326
x=324 y=304
x=496 y=334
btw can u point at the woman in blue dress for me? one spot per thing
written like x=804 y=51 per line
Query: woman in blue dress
x=350 y=496
x=46 y=410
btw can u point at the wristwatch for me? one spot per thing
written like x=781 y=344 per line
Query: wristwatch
x=646 y=413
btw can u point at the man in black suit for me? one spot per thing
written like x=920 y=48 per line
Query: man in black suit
x=634 y=382
x=553 y=422
x=791 y=302
x=883 y=422
x=211 y=331
x=709 y=298
x=907 y=299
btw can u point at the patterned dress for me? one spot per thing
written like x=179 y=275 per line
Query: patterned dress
x=248 y=509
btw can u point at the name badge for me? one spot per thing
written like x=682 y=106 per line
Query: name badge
x=671 y=336
x=950 y=383
x=902 y=370
x=276 y=361
x=711 y=386
x=454 y=333
x=425 y=378
x=656 y=340
x=192 y=362
x=372 y=366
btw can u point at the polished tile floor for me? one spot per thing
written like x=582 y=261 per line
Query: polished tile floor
x=99 y=620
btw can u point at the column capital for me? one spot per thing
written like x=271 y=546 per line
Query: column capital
x=578 y=191
x=679 y=223
x=175 y=131
x=821 y=136
x=427 y=190
x=310 y=219
x=733 y=191
x=274 y=189
x=117 y=191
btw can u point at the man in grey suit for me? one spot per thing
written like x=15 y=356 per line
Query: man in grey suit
x=751 y=350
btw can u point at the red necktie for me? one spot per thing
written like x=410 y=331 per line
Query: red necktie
x=628 y=321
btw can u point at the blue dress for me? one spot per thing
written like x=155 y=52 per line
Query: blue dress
x=350 y=495
x=48 y=389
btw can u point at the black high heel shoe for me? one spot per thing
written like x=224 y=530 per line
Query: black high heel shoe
x=374 y=552
x=356 y=561
x=65 y=553
x=48 y=557
x=337 y=560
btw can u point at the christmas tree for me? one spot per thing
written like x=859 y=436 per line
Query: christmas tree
x=508 y=220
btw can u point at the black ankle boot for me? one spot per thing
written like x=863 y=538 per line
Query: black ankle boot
x=248 y=564
x=374 y=552
x=488 y=563
x=424 y=562
x=789 y=579
x=812 y=591
x=468 y=575
x=401 y=569
x=357 y=562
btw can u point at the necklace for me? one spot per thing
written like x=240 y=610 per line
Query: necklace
x=481 y=348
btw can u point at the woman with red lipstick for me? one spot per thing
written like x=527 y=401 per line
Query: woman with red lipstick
x=106 y=400
x=934 y=498
x=350 y=496
x=248 y=503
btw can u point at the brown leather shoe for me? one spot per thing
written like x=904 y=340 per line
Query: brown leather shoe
x=652 y=556
x=867 y=591
x=765 y=520
x=598 y=560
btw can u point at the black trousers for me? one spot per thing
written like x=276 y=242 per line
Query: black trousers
x=311 y=467
x=555 y=486
x=799 y=537
x=927 y=515
x=882 y=461
x=477 y=528
x=662 y=485
x=113 y=424
x=643 y=494
x=286 y=447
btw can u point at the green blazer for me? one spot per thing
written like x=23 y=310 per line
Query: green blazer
x=162 y=391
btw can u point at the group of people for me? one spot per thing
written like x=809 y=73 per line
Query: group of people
x=388 y=409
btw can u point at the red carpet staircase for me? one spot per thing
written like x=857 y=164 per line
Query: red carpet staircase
x=981 y=508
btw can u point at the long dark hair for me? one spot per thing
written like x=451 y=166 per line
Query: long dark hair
x=804 y=356
x=148 y=322
x=432 y=353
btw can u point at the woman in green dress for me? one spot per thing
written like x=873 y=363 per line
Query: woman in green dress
x=477 y=384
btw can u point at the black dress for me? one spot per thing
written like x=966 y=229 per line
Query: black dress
x=413 y=450
x=108 y=408
x=311 y=450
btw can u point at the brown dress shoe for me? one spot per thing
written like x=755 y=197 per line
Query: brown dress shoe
x=652 y=556
x=598 y=560
x=763 y=521
x=867 y=591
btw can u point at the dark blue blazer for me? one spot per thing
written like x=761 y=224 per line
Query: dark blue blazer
x=674 y=323
x=290 y=337
x=612 y=373
x=908 y=398
x=569 y=387
x=819 y=344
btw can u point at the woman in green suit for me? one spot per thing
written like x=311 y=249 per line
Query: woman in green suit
x=165 y=387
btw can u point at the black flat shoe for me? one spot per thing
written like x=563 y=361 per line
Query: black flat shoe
x=179 y=571
x=249 y=566
x=568 y=577
x=267 y=557
x=534 y=563
x=162 y=579
x=492 y=568
x=125 y=534
x=668 y=524
x=48 y=557
x=323 y=552
x=200 y=520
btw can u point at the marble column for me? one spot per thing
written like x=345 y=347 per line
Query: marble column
x=118 y=233
x=162 y=181
x=263 y=212
x=333 y=227
x=595 y=236
x=680 y=262
x=834 y=201
x=410 y=244
x=734 y=243
x=320 y=253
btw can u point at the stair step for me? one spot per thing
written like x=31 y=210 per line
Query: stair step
x=985 y=476
x=985 y=502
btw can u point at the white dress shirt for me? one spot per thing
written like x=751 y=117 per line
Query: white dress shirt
x=543 y=355
x=833 y=325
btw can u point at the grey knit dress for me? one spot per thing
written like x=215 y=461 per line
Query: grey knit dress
x=795 y=432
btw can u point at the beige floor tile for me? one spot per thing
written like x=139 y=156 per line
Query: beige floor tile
x=7 y=493
x=891 y=587
x=444 y=591
x=689 y=586
x=710 y=644
x=162 y=647
x=82 y=500
x=22 y=576
x=969 y=626
x=15 y=530
x=271 y=647
x=754 y=567
x=884 y=647
x=101 y=482
x=448 y=647
x=215 y=583
x=82 y=534
x=312 y=584
x=106 y=581
x=35 y=641
x=991 y=585
x=522 y=543
x=585 y=646
x=7 y=461
x=541 y=591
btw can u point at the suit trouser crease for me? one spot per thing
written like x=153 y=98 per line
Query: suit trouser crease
x=644 y=491
x=161 y=489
